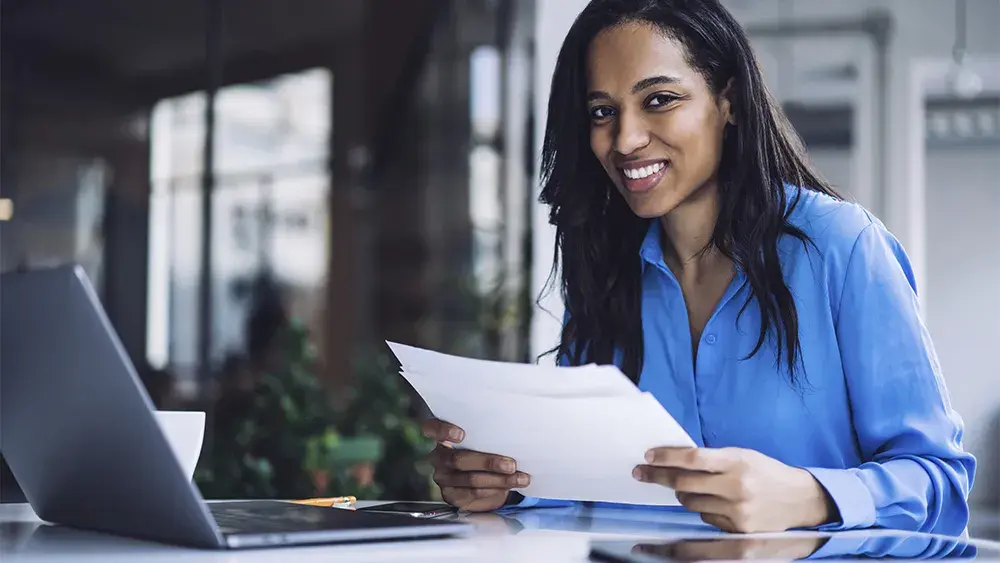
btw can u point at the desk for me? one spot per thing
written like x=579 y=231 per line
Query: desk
x=550 y=535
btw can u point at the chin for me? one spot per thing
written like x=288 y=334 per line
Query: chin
x=646 y=207
x=647 y=213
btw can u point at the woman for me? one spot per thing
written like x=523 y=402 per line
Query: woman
x=702 y=255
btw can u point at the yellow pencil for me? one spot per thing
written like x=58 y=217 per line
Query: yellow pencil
x=327 y=501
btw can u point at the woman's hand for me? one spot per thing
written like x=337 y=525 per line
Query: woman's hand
x=470 y=480
x=739 y=490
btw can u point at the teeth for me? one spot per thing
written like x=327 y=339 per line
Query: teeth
x=644 y=172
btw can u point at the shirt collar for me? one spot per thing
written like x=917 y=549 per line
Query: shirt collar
x=651 y=251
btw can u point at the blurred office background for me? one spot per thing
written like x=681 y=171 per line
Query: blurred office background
x=263 y=192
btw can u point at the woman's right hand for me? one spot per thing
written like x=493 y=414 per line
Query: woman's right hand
x=470 y=480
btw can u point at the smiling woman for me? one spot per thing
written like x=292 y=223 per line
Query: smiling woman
x=674 y=86
x=702 y=254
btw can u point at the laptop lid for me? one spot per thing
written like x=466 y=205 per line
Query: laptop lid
x=78 y=429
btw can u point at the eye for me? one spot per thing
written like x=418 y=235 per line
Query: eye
x=601 y=112
x=660 y=100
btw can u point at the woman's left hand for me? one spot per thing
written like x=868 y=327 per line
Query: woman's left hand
x=739 y=490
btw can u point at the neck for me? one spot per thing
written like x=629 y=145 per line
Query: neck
x=688 y=230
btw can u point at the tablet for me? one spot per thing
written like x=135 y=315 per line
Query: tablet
x=419 y=509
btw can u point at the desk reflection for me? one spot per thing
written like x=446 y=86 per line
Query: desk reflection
x=27 y=538
x=880 y=545
x=789 y=549
x=603 y=520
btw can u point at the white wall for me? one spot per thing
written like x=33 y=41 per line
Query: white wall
x=552 y=21
x=963 y=311
x=837 y=167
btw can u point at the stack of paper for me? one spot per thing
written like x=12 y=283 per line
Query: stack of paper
x=578 y=431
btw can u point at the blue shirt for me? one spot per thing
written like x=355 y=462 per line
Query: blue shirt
x=872 y=420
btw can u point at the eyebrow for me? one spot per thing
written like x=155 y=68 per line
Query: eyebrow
x=638 y=87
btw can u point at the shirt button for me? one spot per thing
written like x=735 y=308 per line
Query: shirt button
x=710 y=339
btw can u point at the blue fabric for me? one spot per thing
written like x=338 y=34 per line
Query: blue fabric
x=872 y=420
x=915 y=547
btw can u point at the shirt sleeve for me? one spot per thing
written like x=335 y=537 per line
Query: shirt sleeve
x=916 y=475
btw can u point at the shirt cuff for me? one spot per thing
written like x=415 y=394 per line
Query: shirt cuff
x=850 y=495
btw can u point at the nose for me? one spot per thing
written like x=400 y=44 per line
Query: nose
x=632 y=133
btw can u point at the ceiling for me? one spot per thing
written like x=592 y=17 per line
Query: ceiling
x=146 y=43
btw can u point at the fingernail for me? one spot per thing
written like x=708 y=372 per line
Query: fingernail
x=522 y=480
x=507 y=466
x=456 y=434
x=637 y=473
x=650 y=456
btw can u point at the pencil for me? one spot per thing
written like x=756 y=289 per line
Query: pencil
x=327 y=501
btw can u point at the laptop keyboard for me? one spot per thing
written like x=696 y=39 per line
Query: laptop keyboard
x=264 y=517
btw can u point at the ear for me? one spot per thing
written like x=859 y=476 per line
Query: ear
x=726 y=102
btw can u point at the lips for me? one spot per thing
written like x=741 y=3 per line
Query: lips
x=643 y=176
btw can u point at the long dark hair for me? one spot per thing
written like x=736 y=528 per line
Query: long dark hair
x=599 y=236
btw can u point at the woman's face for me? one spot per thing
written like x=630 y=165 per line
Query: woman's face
x=655 y=125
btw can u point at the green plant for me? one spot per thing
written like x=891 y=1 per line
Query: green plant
x=379 y=404
x=287 y=437
x=483 y=314
x=279 y=437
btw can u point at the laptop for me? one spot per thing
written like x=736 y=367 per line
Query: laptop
x=80 y=436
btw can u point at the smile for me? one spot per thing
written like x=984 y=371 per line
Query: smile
x=645 y=171
x=643 y=178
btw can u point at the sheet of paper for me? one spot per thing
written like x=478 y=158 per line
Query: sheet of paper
x=575 y=448
x=577 y=431
x=529 y=379
x=580 y=387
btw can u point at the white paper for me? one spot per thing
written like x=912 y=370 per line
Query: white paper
x=578 y=431
x=529 y=379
